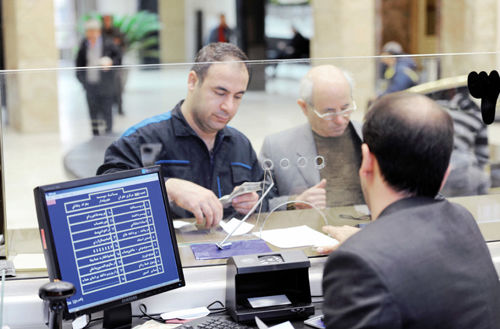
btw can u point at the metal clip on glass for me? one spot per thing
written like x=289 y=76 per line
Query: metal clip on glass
x=223 y=244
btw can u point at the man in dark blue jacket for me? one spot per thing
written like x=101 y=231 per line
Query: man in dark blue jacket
x=202 y=159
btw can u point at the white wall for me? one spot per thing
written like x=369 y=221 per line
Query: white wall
x=211 y=10
x=113 y=7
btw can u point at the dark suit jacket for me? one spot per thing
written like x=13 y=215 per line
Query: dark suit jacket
x=108 y=82
x=422 y=264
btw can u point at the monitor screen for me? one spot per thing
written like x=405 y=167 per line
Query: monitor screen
x=111 y=236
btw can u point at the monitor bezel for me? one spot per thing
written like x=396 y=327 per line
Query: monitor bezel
x=46 y=234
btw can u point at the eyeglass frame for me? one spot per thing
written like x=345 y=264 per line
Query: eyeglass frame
x=345 y=113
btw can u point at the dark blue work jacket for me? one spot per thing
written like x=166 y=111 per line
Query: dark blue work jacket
x=169 y=141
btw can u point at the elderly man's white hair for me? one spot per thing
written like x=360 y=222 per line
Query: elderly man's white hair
x=307 y=85
x=92 y=24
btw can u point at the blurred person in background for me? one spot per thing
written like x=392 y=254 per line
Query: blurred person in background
x=471 y=152
x=114 y=34
x=99 y=82
x=222 y=32
x=398 y=73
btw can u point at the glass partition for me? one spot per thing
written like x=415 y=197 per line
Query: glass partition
x=49 y=135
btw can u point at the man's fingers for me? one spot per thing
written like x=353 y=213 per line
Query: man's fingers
x=245 y=202
x=198 y=214
x=340 y=233
x=208 y=214
x=321 y=184
x=217 y=210
x=247 y=197
x=324 y=250
x=328 y=229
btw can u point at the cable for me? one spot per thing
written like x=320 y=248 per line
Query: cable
x=144 y=310
x=216 y=302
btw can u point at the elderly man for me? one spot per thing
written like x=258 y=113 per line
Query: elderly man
x=99 y=84
x=202 y=159
x=316 y=163
x=423 y=262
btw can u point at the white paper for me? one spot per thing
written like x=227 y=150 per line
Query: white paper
x=178 y=224
x=80 y=322
x=266 y=301
x=297 y=236
x=362 y=208
x=28 y=262
x=190 y=313
x=153 y=324
x=229 y=226
x=283 y=325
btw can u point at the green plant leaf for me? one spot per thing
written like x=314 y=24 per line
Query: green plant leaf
x=137 y=30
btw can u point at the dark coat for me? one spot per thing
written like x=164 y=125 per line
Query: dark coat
x=422 y=264
x=107 y=83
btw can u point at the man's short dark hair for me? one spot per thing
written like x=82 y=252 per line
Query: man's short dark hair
x=217 y=52
x=412 y=139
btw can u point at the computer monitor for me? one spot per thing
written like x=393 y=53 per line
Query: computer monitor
x=112 y=237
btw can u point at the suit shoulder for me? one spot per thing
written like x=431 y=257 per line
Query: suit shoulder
x=290 y=134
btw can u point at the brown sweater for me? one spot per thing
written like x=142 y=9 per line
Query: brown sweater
x=342 y=161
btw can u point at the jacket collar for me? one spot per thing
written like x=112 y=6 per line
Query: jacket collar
x=182 y=128
x=406 y=203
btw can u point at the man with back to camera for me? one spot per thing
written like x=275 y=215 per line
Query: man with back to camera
x=423 y=262
x=202 y=159
x=299 y=153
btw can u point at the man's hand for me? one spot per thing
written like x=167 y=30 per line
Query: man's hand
x=340 y=233
x=202 y=202
x=315 y=195
x=244 y=202
x=106 y=62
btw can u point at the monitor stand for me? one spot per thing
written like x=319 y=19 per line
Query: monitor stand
x=118 y=317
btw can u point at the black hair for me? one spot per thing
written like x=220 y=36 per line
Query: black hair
x=413 y=151
x=217 y=52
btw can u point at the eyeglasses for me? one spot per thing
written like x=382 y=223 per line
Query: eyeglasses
x=330 y=115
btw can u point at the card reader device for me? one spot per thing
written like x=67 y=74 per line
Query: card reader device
x=272 y=286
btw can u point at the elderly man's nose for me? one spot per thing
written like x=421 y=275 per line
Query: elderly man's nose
x=339 y=119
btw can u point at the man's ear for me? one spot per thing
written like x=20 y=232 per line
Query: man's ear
x=303 y=105
x=192 y=80
x=367 y=161
x=445 y=177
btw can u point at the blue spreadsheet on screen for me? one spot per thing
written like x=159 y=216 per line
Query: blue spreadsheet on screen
x=110 y=236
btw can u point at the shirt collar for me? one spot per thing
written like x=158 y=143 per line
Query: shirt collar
x=182 y=127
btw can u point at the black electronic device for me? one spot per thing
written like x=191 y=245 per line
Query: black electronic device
x=55 y=294
x=112 y=237
x=272 y=286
